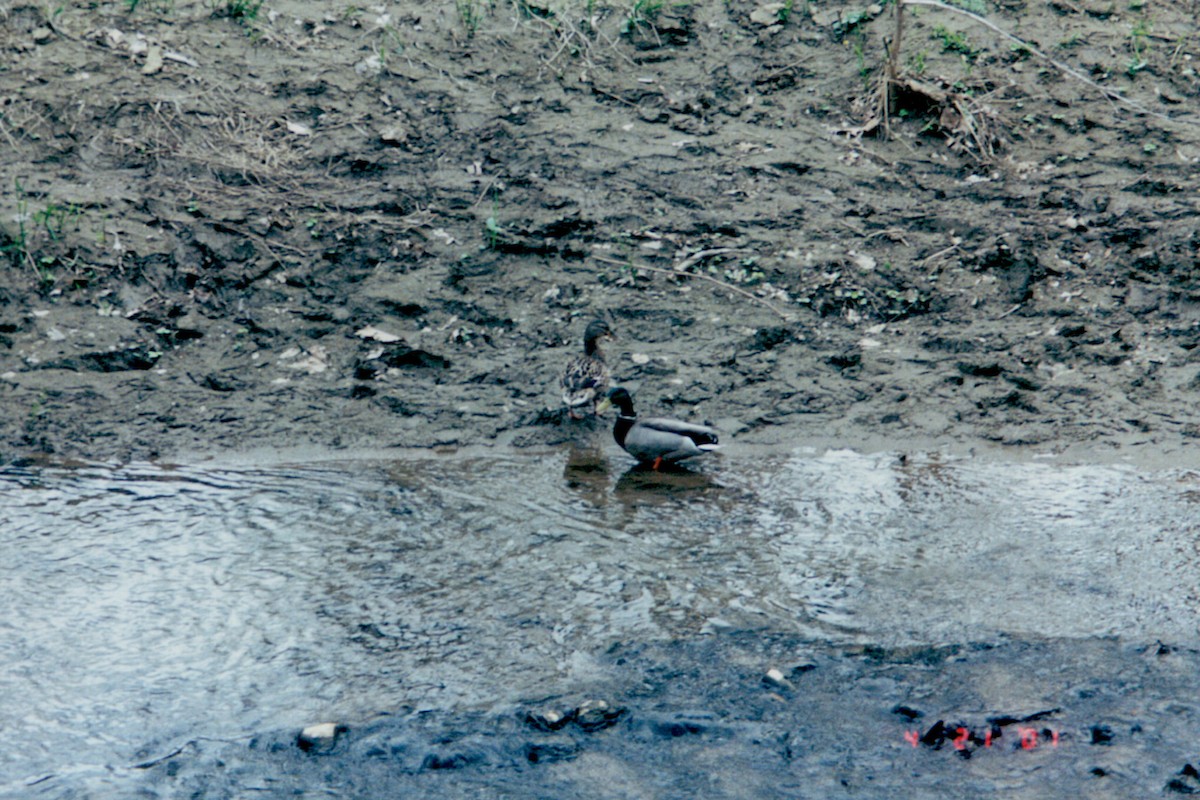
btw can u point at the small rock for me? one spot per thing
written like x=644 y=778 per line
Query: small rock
x=42 y=35
x=321 y=736
x=548 y=719
x=596 y=715
x=864 y=262
x=767 y=14
x=775 y=678
x=393 y=134
x=826 y=18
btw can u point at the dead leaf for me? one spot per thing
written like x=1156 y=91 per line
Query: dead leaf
x=154 y=60
x=375 y=334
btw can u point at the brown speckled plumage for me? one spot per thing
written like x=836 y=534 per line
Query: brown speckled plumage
x=585 y=378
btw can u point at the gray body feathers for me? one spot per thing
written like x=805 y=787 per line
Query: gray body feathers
x=657 y=440
x=669 y=439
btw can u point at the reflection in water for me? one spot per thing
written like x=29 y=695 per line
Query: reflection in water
x=145 y=603
x=586 y=473
x=641 y=484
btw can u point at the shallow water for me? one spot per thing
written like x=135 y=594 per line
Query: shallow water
x=147 y=605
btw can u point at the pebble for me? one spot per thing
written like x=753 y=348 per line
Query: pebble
x=595 y=715
x=775 y=678
x=547 y=719
x=394 y=134
x=767 y=14
x=321 y=736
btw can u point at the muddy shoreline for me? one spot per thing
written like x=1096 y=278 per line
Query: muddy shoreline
x=197 y=244
x=694 y=718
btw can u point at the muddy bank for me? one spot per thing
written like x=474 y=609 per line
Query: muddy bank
x=702 y=718
x=203 y=209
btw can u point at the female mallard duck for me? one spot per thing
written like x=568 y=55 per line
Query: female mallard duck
x=656 y=440
x=586 y=377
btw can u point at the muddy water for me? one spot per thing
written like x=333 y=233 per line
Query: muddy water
x=154 y=615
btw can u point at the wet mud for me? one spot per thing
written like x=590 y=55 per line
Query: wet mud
x=228 y=225
x=697 y=719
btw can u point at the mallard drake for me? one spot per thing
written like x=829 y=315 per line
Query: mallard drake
x=656 y=440
x=586 y=377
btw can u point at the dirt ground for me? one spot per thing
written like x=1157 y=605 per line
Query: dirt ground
x=230 y=226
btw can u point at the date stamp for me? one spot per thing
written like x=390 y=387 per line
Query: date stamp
x=962 y=738
x=1004 y=732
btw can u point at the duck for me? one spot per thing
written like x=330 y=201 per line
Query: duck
x=655 y=440
x=586 y=376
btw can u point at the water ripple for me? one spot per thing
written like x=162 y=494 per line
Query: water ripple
x=153 y=604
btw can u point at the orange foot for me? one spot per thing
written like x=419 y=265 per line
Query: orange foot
x=657 y=463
